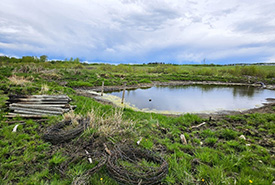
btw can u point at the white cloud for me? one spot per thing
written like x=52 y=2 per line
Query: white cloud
x=139 y=30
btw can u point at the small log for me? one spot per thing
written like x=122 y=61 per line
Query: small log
x=11 y=122
x=37 y=110
x=38 y=100
x=34 y=113
x=23 y=122
x=41 y=102
x=13 y=115
x=197 y=126
x=183 y=139
x=41 y=105
x=39 y=96
x=18 y=106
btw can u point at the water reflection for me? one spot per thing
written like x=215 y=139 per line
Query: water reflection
x=246 y=91
x=196 y=98
x=237 y=90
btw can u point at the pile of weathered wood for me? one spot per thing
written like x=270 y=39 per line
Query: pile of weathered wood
x=38 y=105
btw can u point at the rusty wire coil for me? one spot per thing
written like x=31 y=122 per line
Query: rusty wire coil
x=126 y=164
x=139 y=174
x=98 y=160
x=57 y=134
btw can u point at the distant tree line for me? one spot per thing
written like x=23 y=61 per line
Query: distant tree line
x=44 y=58
x=34 y=59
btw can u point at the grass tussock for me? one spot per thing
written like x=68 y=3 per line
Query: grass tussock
x=71 y=116
x=111 y=124
x=106 y=124
x=19 y=80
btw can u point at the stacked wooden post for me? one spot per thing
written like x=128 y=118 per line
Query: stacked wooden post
x=38 y=105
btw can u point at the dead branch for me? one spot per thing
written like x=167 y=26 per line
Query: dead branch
x=106 y=149
x=197 y=126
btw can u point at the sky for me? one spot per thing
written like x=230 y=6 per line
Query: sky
x=140 y=31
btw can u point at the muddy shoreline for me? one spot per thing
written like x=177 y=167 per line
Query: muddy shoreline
x=266 y=108
x=171 y=83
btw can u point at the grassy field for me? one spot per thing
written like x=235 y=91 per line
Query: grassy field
x=235 y=149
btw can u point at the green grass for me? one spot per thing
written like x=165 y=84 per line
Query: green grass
x=215 y=153
x=223 y=157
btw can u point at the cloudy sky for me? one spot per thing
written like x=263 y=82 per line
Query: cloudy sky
x=140 y=31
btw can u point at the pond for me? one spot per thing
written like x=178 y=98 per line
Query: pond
x=196 y=98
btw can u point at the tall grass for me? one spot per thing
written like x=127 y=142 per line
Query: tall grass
x=110 y=124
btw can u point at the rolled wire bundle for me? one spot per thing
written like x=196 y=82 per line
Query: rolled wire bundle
x=120 y=159
x=57 y=134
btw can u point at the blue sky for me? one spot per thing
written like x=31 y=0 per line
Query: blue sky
x=140 y=31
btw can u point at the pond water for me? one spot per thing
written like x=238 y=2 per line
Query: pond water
x=196 y=98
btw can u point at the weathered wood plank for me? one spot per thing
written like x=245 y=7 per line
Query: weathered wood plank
x=29 y=106
x=42 y=105
x=37 y=99
x=39 y=96
x=41 y=102
x=38 y=105
x=36 y=112
x=13 y=115
x=38 y=121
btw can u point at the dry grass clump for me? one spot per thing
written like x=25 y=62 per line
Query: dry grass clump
x=48 y=74
x=19 y=80
x=51 y=74
x=110 y=124
x=44 y=89
x=28 y=69
x=105 y=125
x=71 y=116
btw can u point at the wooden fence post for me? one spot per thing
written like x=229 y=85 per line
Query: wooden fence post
x=102 y=88
x=123 y=94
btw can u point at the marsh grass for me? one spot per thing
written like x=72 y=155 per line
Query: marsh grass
x=222 y=159
x=214 y=154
